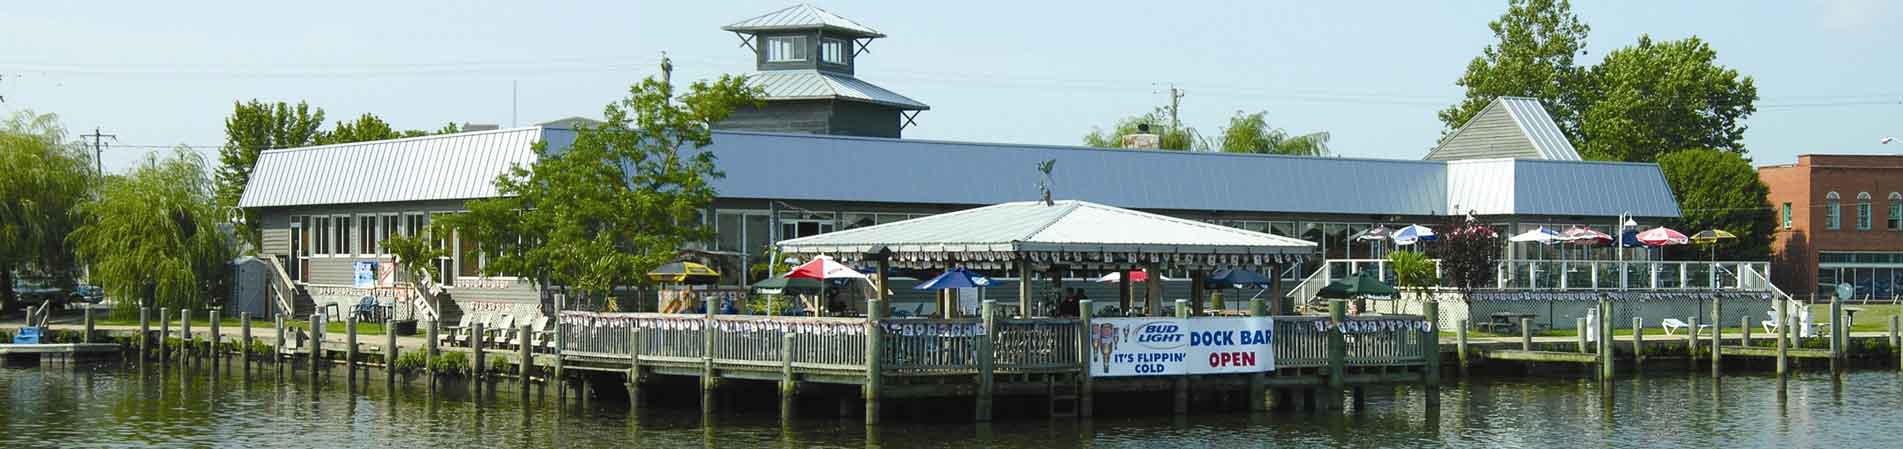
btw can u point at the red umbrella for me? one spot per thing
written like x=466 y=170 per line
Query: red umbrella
x=1662 y=236
x=1586 y=236
x=823 y=267
x=1135 y=276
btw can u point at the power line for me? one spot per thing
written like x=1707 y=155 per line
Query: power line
x=99 y=147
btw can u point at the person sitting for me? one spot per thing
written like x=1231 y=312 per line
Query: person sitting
x=1067 y=306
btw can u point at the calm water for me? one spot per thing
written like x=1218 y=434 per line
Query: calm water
x=105 y=406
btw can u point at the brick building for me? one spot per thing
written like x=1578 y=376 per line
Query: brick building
x=1840 y=221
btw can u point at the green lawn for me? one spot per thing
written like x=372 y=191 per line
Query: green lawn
x=1872 y=317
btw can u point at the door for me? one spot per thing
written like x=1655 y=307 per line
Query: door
x=300 y=251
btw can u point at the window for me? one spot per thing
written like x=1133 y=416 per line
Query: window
x=1896 y=211
x=1787 y=215
x=1863 y=211
x=796 y=224
x=832 y=51
x=341 y=244
x=367 y=237
x=1833 y=211
x=413 y=224
x=468 y=258
x=389 y=230
x=322 y=232
x=446 y=243
x=786 y=49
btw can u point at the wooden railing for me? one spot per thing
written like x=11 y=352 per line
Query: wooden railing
x=1299 y=344
x=281 y=287
x=738 y=340
x=1036 y=345
x=1385 y=340
x=927 y=346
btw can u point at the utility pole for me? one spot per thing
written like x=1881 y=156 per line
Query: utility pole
x=667 y=70
x=99 y=148
x=1176 y=97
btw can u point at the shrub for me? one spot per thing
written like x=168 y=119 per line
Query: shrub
x=1875 y=346
x=410 y=362
x=1814 y=343
x=454 y=363
x=498 y=364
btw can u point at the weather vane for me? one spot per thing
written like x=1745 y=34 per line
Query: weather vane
x=1044 y=185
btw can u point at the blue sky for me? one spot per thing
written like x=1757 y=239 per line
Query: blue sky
x=1373 y=73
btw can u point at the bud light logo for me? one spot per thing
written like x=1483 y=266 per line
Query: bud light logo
x=1160 y=335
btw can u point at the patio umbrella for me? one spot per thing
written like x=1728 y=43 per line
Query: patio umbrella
x=1711 y=237
x=1662 y=236
x=955 y=278
x=782 y=286
x=1362 y=285
x=1236 y=277
x=684 y=273
x=1586 y=236
x=823 y=267
x=1375 y=234
x=1541 y=235
x=1413 y=233
x=1135 y=276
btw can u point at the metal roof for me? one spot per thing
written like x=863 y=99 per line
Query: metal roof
x=845 y=168
x=817 y=85
x=1509 y=127
x=1062 y=230
x=802 y=17
x=1539 y=187
x=450 y=166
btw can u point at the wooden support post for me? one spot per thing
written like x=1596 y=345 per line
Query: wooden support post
x=1196 y=292
x=1182 y=381
x=1606 y=360
x=185 y=329
x=708 y=379
x=165 y=333
x=1839 y=337
x=1526 y=334
x=86 y=336
x=217 y=333
x=561 y=344
x=989 y=313
x=1744 y=324
x=1638 y=343
x=1123 y=292
x=1691 y=344
x=350 y=342
x=431 y=333
x=1337 y=353
x=1896 y=339
x=636 y=345
x=875 y=366
x=277 y=325
x=317 y=341
x=1717 y=335
x=1579 y=325
x=1258 y=381
x=788 y=384
x=1024 y=287
x=525 y=357
x=1460 y=346
x=390 y=350
x=1085 y=400
x=244 y=336
x=1782 y=336
x=1153 y=290
x=475 y=349
x=1430 y=342
x=145 y=333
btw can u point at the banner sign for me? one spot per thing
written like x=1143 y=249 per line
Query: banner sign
x=1179 y=346
x=364 y=274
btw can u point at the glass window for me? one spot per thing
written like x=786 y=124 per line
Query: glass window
x=1896 y=211
x=413 y=224
x=322 y=234
x=729 y=232
x=757 y=236
x=341 y=245
x=796 y=224
x=1863 y=211
x=1360 y=249
x=1282 y=228
x=469 y=260
x=367 y=234
x=1833 y=211
x=1337 y=241
x=1787 y=215
x=389 y=230
x=1313 y=232
x=786 y=48
x=858 y=220
x=832 y=51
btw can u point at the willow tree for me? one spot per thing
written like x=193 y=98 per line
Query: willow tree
x=45 y=180
x=155 y=235
x=1251 y=133
x=624 y=198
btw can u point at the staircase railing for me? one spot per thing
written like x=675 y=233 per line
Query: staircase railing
x=1304 y=292
x=281 y=287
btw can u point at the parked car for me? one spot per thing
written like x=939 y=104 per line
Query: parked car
x=36 y=291
x=89 y=294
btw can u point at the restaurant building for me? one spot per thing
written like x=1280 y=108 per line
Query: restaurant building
x=1840 y=221
x=825 y=153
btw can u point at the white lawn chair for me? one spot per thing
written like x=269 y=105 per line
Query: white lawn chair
x=540 y=339
x=499 y=333
x=468 y=336
x=1672 y=325
x=449 y=334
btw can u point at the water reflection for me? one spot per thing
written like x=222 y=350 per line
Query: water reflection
x=185 y=406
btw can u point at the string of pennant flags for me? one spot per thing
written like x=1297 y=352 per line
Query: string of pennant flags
x=1373 y=326
x=1617 y=296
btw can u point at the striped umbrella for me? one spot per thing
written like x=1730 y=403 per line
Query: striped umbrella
x=1663 y=236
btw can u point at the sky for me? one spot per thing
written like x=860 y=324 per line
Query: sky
x=1371 y=73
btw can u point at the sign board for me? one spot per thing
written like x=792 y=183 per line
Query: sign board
x=1179 y=346
x=386 y=274
x=363 y=274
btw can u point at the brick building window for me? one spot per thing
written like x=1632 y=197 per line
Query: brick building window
x=1863 y=211
x=1833 y=211
x=1787 y=215
x=1896 y=211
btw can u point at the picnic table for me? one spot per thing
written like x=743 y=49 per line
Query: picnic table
x=1506 y=322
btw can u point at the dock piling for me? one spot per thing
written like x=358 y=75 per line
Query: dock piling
x=1839 y=338
x=1337 y=353
x=86 y=336
x=244 y=336
x=390 y=349
x=1579 y=324
x=1182 y=382
x=165 y=334
x=988 y=312
x=1691 y=344
x=350 y=342
x=145 y=333
x=317 y=341
x=1257 y=382
x=1460 y=346
x=476 y=338
x=1744 y=324
x=1604 y=328
x=217 y=334
x=1430 y=374
x=1638 y=343
x=788 y=384
x=1783 y=336
x=1717 y=335
x=526 y=357
x=1085 y=399
x=875 y=349
x=1896 y=339
x=185 y=330
x=636 y=346
x=1526 y=334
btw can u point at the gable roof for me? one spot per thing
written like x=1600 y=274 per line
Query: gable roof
x=1073 y=227
x=1509 y=127
x=440 y=167
x=818 y=85
x=802 y=17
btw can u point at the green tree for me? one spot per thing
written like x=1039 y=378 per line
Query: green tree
x=253 y=127
x=1169 y=137
x=1533 y=57
x=155 y=235
x=1654 y=97
x=1251 y=133
x=46 y=179
x=1719 y=189
x=1413 y=271
x=621 y=200
x=369 y=127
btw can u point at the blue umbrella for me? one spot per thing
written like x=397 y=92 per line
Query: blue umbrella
x=954 y=278
x=1413 y=233
x=1234 y=276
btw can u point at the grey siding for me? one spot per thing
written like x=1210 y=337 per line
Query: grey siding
x=810 y=117
x=852 y=118
x=276 y=232
x=1491 y=134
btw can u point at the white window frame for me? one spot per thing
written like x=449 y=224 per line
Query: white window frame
x=1895 y=217
x=1787 y=215
x=832 y=51
x=1864 y=211
x=788 y=49
x=362 y=240
x=320 y=235
x=389 y=225
x=1833 y=211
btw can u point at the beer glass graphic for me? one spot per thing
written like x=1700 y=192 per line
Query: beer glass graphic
x=1106 y=340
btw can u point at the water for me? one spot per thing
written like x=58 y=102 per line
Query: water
x=106 y=406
